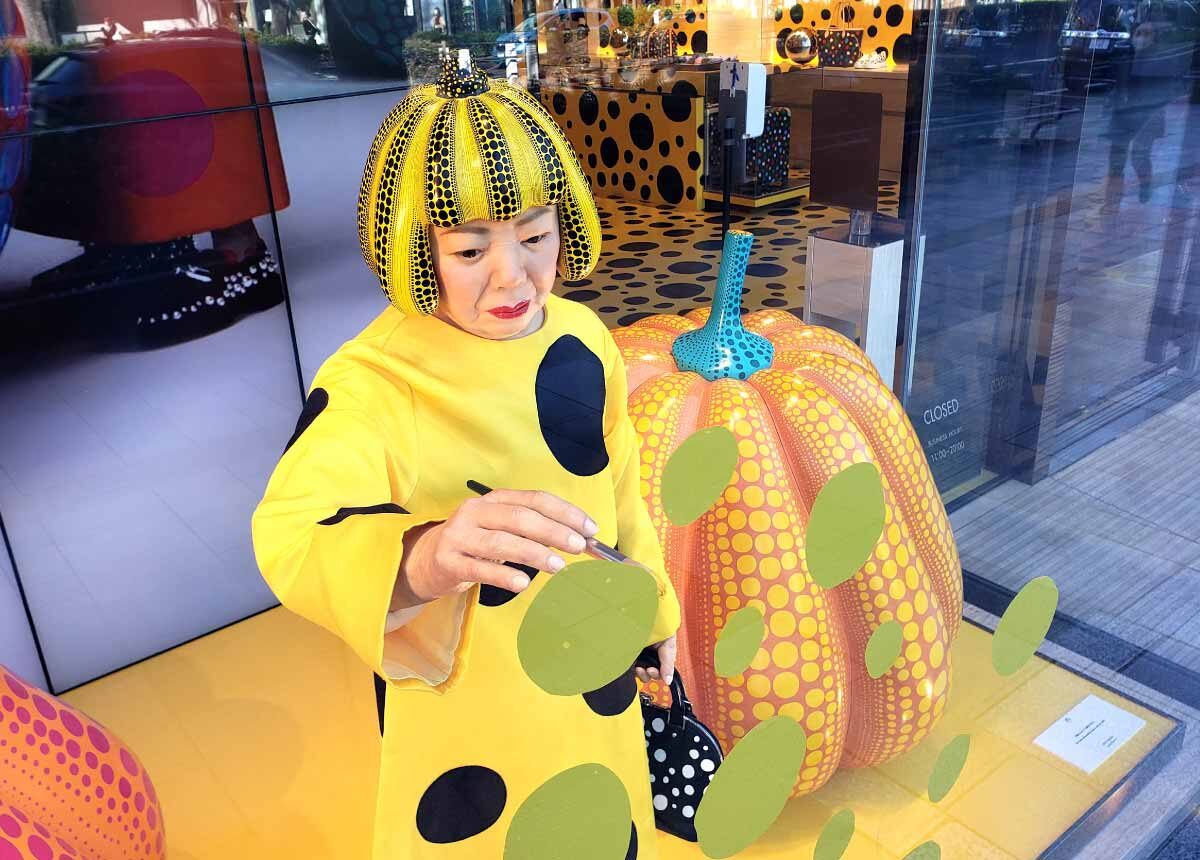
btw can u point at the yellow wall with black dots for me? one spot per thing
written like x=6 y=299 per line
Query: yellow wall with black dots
x=691 y=29
x=886 y=26
x=644 y=147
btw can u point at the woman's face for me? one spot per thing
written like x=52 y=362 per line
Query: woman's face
x=494 y=276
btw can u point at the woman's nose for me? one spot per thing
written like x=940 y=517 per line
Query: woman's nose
x=508 y=270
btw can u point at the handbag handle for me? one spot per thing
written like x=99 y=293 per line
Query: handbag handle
x=680 y=705
x=840 y=10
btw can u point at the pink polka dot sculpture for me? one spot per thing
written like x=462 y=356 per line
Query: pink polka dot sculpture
x=69 y=789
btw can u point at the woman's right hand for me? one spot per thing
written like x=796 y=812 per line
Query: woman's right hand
x=520 y=526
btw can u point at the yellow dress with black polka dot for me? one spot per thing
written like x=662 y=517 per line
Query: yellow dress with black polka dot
x=397 y=421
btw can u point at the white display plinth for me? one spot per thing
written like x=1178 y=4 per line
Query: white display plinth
x=853 y=286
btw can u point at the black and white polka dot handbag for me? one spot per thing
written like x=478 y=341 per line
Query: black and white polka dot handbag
x=683 y=753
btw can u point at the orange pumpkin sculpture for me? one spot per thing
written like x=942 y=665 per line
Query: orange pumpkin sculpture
x=68 y=787
x=816 y=407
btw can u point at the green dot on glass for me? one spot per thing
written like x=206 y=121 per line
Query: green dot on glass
x=739 y=641
x=750 y=787
x=587 y=626
x=884 y=647
x=949 y=765
x=925 y=851
x=835 y=836
x=845 y=524
x=1024 y=625
x=697 y=474
x=582 y=813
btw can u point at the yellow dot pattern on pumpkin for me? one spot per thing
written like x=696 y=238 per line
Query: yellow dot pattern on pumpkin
x=820 y=408
x=759 y=526
x=877 y=727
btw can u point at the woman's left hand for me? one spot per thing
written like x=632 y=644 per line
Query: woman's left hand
x=666 y=660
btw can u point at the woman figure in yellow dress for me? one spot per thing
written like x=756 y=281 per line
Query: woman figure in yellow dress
x=471 y=199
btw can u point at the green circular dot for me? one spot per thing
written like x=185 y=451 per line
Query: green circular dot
x=925 y=851
x=739 y=641
x=835 y=836
x=846 y=522
x=698 y=473
x=949 y=765
x=883 y=648
x=750 y=787
x=587 y=626
x=582 y=813
x=1024 y=625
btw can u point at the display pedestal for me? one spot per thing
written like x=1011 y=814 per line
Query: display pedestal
x=306 y=787
x=853 y=286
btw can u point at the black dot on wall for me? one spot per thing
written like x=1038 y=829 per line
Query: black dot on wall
x=614 y=109
x=591 y=159
x=641 y=131
x=902 y=51
x=643 y=164
x=872 y=31
x=632 y=97
x=601 y=180
x=587 y=140
x=680 y=38
x=589 y=107
x=670 y=184
x=629 y=182
x=878 y=13
x=895 y=14
x=694 y=160
x=826 y=14
x=685 y=89
x=603 y=125
x=797 y=13
x=570 y=124
x=691 y=193
x=676 y=106
x=560 y=104
x=610 y=153
x=664 y=149
x=690 y=16
x=645 y=192
x=628 y=157
x=700 y=41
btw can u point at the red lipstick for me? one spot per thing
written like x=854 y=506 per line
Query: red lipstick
x=510 y=313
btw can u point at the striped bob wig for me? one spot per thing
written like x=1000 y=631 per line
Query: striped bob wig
x=464 y=149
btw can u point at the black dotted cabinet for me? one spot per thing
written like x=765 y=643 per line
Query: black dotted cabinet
x=766 y=155
x=635 y=145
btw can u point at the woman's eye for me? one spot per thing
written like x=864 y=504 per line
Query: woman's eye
x=533 y=240
x=469 y=253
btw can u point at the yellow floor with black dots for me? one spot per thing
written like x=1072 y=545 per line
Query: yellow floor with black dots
x=262 y=740
x=657 y=261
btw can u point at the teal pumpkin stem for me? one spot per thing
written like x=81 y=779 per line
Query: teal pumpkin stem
x=723 y=348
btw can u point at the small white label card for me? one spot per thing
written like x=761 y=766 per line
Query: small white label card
x=1088 y=734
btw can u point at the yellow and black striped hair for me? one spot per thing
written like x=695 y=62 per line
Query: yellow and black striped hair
x=465 y=149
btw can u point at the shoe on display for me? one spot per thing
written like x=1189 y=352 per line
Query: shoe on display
x=876 y=60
